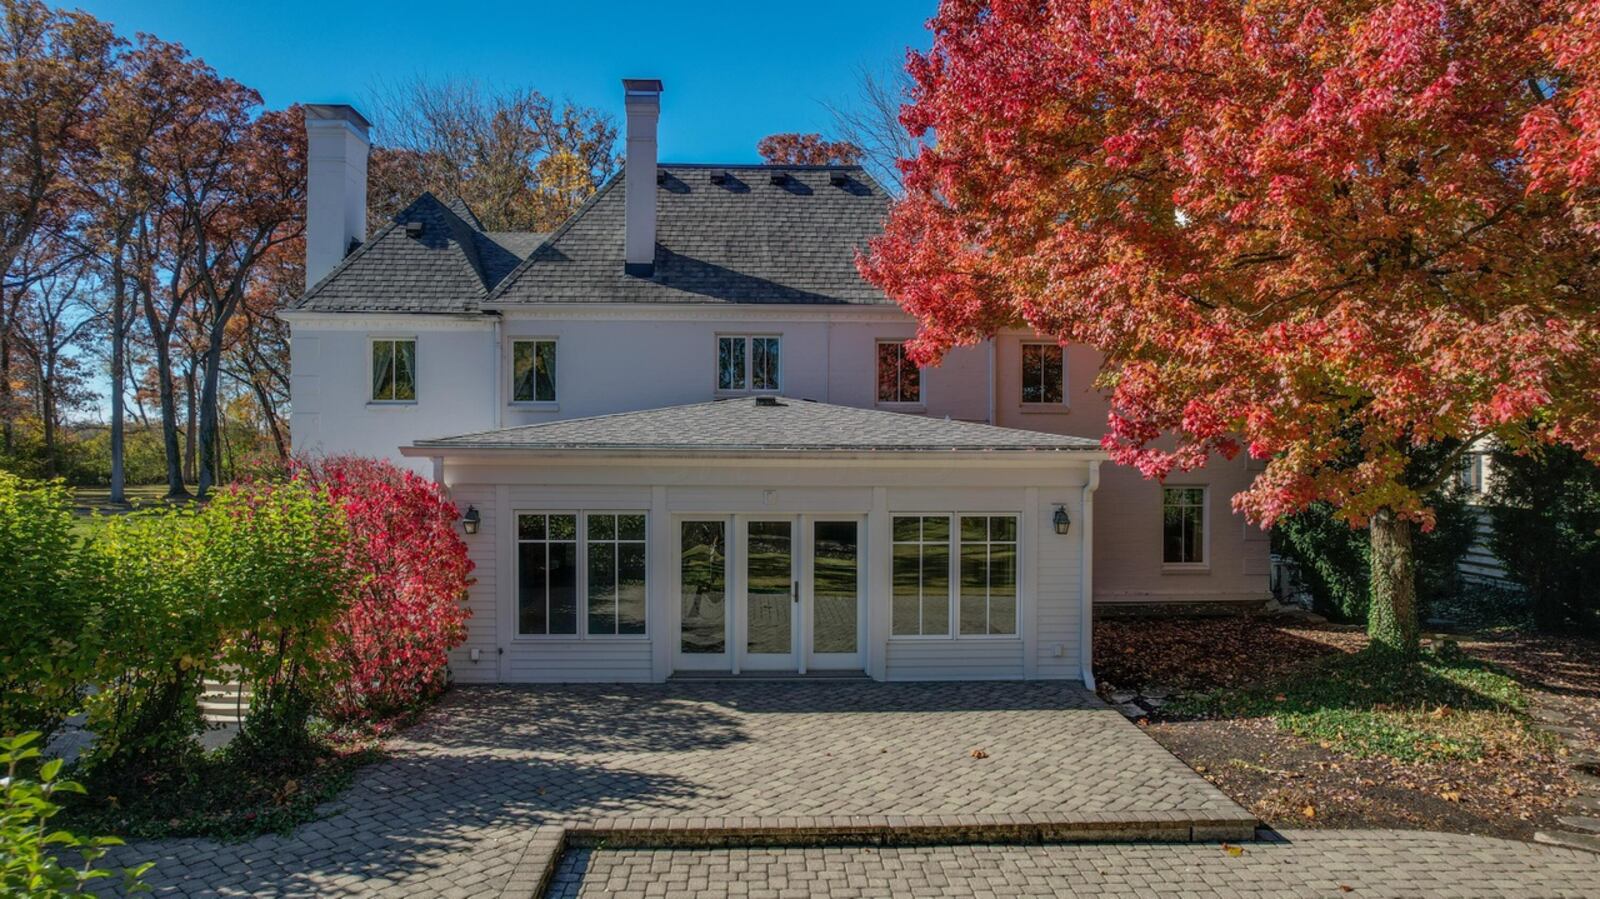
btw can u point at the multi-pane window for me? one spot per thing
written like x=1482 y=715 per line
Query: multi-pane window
x=615 y=550
x=899 y=379
x=547 y=574
x=747 y=363
x=921 y=573
x=533 y=371
x=587 y=568
x=394 y=370
x=1043 y=375
x=988 y=574
x=1183 y=522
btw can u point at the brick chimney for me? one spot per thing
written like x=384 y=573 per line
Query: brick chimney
x=337 y=144
x=642 y=97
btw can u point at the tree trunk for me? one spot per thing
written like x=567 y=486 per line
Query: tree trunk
x=211 y=364
x=189 y=428
x=7 y=437
x=1392 y=616
x=119 y=339
x=169 y=421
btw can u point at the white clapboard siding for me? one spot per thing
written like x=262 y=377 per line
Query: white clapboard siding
x=1059 y=562
x=579 y=661
x=481 y=626
x=970 y=659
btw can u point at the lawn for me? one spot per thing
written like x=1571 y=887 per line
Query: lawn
x=91 y=503
x=1303 y=726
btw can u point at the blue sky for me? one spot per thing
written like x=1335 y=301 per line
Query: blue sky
x=734 y=72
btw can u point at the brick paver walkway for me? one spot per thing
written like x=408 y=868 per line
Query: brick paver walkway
x=452 y=813
x=1306 y=863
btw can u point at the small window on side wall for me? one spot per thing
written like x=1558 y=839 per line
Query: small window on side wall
x=1044 y=380
x=394 y=370
x=748 y=364
x=1183 y=523
x=899 y=379
x=533 y=371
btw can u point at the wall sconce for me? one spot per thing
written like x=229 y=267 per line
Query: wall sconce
x=1062 y=522
x=469 y=521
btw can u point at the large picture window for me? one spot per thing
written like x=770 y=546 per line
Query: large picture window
x=394 y=370
x=748 y=363
x=533 y=371
x=921 y=572
x=899 y=379
x=581 y=574
x=1183 y=524
x=988 y=574
x=1044 y=379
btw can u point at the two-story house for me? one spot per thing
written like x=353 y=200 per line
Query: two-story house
x=687 y=438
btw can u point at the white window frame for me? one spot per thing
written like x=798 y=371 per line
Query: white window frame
x=920 y=402
x=953 y=597
x=416 y=376
x=511 y=373
x=582 y=581
x=1031 y=405
x=1016 y=609
x=749 y=364
x=1204 y=565
x=615 y=541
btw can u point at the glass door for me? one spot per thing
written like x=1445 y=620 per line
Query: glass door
x=771 y=596
x=835 y=588
x=703 y=595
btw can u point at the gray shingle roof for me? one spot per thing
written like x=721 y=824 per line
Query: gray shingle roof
x=746 y=240
x=746 y=424
x=450 y=267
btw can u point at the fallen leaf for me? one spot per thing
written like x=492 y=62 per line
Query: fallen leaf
x=979 y=754
x=1346 y=888
x=1233 y=850
x=1309 y=811
x=1450 y=796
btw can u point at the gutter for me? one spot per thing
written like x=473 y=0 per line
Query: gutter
x=1086 y=575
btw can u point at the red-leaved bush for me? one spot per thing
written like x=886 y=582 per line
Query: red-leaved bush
x=407 y=612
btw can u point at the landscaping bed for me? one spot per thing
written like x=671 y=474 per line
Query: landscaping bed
x=1296 y=722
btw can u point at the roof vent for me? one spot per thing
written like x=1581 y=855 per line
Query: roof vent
x=661 y=176
x=719 y=177
x=413 y=229
x=838 y=178
x=780 y=178
x=767 y=401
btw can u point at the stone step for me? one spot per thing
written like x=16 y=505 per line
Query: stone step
x=1586 y=842
x=1588 y=763
x=1580 y=824
x=1585 y=803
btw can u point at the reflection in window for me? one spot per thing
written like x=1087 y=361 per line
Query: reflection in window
x=762 y=371
x=547 y=574
x=988 y=574
x=1043 y=377
x=899 y=379
x=769 y=597
x=533 y=371
x=394 y=371
x=1183 y=519
x=705 y=585
x=834 y=586
x=921 y=572
x=615 y=548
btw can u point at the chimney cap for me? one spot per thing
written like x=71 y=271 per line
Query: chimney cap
x=641 y=86
x=337 y=112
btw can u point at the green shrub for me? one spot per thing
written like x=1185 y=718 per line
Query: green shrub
x=1335 y=559
x=1546 y=520
x=155 y=635
x=30 y=850
x=44 y=607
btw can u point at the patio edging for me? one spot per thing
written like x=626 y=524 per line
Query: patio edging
x=545 y=847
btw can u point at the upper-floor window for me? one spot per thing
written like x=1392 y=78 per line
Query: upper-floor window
x=394 y=370
x=533 y=371
x=1183 y=525
x=748 y=363
x=899 y=379
x=1044 y=377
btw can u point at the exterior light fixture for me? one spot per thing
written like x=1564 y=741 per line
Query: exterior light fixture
x=1062 y=522
x=469 y=521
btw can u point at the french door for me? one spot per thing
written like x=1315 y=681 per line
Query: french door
x=770 y=593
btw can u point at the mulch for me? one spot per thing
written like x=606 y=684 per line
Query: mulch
x=1289 y=781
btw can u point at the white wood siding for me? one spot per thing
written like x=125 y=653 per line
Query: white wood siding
x=986 y=658
x=482 y=549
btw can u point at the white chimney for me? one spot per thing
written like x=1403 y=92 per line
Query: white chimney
x=643 y=100
x=336 y=185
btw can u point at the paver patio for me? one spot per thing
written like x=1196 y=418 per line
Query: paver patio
x=452 y=813
x=1306 y=863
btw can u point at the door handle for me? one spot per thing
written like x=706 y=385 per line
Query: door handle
x=794 y=591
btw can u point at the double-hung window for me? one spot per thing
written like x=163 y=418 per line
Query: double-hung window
x=748 y=363
x=394 y=370
x=988 y=574
x=533 y=371
x=581 y=574
x=1183 y=526
x=1044 y=379
x=921 y=573
x=899 y=379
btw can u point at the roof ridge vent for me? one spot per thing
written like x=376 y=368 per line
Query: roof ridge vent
x=767 y=401
x=779 y=178
x=413 y=229
x=719 y=176
x=838 y=178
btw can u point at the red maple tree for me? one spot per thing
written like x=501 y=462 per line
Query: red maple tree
x=1350 y=237
x=807 y=149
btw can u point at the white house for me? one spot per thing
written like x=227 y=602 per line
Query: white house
x=691 y=440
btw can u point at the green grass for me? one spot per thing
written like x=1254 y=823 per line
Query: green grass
x=1435 y=707
x=92 y=505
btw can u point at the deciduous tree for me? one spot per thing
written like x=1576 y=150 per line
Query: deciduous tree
x=807 y=149
x=1347 y=237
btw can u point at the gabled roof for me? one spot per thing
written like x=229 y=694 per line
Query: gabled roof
x=744 y=240
x=450 y=267
x=764 y=424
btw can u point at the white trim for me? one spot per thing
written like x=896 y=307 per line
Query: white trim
x=377 y=321
x=1086 y=578
x=581 y=579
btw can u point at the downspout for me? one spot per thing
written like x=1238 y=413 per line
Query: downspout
x=1086 y=572
x=499 y=416
x=991 y=382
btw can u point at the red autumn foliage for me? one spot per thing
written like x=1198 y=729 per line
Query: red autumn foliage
x=807 y=149
x=407 y=612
